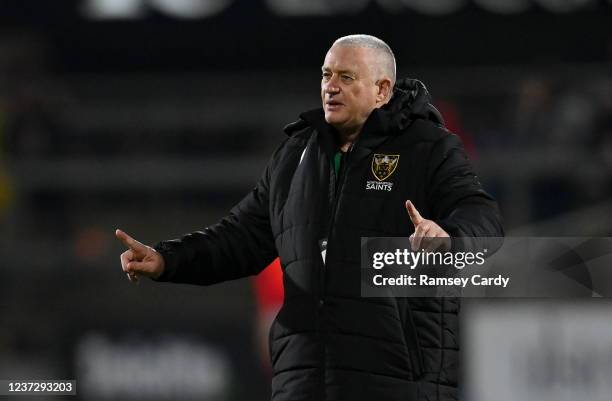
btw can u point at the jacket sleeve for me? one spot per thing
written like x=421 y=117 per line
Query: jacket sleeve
x=458 y=202
x=240 y=245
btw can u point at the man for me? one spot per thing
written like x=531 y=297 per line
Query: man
x=373 y=161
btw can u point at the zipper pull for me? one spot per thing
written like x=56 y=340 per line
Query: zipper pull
x=323 y=249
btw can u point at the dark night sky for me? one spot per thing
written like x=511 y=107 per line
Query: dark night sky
x=249 y=35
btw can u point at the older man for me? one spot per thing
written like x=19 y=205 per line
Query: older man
x=374 y=161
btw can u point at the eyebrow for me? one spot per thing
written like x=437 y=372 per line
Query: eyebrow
x=323 y=69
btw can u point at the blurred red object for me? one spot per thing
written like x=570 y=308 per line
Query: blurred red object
x=269 y=287
x=452 y=120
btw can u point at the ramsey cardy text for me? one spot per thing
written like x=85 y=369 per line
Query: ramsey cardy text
x=424 y=280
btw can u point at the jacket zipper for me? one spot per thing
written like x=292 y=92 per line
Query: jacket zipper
x=336 y=186
x=338 y=183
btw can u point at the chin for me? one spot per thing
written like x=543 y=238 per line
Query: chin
x=334 y=119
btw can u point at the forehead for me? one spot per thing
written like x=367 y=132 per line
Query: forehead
x=352 y=58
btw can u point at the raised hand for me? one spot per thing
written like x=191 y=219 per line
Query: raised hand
x=427 y=234
x=139 y=259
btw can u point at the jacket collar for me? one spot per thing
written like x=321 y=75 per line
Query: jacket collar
x=377 y=123
x=375 y=131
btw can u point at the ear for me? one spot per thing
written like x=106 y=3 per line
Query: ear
x=384 y=90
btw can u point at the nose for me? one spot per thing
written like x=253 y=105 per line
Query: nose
x=331 y=89
x=330 y=86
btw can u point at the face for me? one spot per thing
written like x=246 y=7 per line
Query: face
x=349 y=87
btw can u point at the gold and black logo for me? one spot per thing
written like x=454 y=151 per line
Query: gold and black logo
x=384 y=165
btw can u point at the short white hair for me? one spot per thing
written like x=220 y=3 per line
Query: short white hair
x=386 y=64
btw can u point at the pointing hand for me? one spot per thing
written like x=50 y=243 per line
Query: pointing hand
x=427 y=234
x=139 y=259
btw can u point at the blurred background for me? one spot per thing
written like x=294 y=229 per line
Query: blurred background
x=157 y=116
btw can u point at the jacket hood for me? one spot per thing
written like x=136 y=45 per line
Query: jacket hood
x=410 y=101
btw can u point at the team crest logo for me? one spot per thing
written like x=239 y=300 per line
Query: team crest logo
x=384 y=165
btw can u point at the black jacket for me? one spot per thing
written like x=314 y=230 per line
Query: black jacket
x=327 y=342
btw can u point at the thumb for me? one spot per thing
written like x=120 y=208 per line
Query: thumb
x=140 y=267
x=413 y=213
x=147 y=269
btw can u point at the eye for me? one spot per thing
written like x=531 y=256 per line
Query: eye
x=347 y=78
x=326 y=75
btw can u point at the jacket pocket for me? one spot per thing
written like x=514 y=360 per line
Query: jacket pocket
x=415 y=352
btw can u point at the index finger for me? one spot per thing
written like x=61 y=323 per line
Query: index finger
x=129 y=241
x=414 y=214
